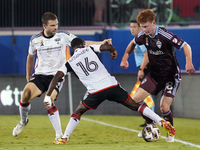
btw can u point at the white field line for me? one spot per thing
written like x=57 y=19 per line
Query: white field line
x=132 y=130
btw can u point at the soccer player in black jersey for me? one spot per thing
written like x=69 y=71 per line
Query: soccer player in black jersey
x=165 y=73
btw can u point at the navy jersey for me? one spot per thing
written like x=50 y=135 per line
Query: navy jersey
x=161 y=52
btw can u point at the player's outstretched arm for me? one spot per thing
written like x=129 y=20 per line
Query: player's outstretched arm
x=47 y=99
x=188 y=54
x=54 y=81
x=109 y=41
x=124 y=63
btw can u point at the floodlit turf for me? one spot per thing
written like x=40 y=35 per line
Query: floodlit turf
x=109 y=133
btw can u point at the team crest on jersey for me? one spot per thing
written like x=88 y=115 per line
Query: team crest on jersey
x=41 y=43
x=159 y=44
x=147 y=41
x=57 y=40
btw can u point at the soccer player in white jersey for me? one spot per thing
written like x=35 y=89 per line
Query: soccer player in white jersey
x=50 y=48
x=100 y=85
x=165 y=72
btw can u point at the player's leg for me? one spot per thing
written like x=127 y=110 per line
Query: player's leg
x=73 y=122
x=54 y=117
x=90 y=101
x=147 y=113
x=166 y=101
x=165 y=104
x=53 y=112
x=30 y=91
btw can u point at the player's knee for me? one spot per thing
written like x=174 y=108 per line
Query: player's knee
x=164 y=109
x=80 y=109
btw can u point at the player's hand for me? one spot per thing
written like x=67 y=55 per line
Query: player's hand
x=189 y=68
x=109 y=41
x=113 y=55
x=140 y=75
x=47 y=101
x=124 y=64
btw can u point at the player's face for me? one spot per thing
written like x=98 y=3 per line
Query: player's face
x=134 y=28
x=149 y=28
x=51 y=27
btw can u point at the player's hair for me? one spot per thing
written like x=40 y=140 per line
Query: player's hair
x=77 y=43
x=135 y=21
x=48 y=16
x=145 y=16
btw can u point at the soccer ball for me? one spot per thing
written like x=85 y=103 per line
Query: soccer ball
x=151 y=133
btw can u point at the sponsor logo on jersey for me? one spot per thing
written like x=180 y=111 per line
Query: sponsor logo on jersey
x=158 y=52
x=159 y=44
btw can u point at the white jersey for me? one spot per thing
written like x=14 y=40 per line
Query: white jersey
x=51 y=52
x=89 y=69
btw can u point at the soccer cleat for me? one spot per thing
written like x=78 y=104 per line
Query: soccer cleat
x=168 y=127
x=140 y=134
x=19 y=127
x=170 y=138
x=58 y=136
x=60 y=141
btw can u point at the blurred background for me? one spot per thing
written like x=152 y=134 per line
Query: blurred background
x=94 y=20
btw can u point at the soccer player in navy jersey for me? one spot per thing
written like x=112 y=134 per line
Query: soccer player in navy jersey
x=100 y=85
x=141 y=61
x=165 y=74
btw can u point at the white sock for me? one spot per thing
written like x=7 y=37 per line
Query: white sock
x=73 y=122
x=54 y=117
x=24 y=109
x=153 y=116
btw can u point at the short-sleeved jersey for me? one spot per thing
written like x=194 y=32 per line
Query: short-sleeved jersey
x=138 y=53
x=51 y=52
x=89 y=69
x=161 y=52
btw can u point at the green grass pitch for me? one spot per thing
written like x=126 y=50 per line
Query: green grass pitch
x=99 y=132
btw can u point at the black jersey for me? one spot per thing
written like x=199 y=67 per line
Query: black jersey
x=161 y=52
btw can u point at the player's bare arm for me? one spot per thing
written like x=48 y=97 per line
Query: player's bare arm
x=110 y=48
x=47 y=99
x=29 y=66
x=124 y=63
x=188 y=54
x=145 y=61
x=99 y=42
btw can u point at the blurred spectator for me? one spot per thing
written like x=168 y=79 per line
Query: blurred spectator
x=98 y=14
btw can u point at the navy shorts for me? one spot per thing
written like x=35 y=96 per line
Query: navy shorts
x=169 y=86
x=43 y=81
x=116 y=94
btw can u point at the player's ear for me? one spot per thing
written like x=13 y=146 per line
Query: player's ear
x=44 y=26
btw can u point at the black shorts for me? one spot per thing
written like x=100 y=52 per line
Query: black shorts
x=116 y=94
x=43 y=81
